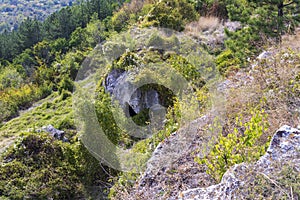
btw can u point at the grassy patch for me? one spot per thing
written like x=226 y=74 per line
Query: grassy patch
x=283 y=183
x=51 y=110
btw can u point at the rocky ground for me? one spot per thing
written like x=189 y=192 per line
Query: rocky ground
x=172 y=172
x=172 y=167
x=282 y=152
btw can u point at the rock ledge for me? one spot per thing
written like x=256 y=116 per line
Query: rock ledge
x=284 y=149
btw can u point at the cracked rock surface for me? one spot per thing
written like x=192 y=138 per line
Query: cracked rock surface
x=284 y=150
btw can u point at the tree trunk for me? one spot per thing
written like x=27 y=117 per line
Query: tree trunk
x=280 y=9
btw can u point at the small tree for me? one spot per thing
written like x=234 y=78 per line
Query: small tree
x=241 y=145
x=172 y=14
x=269 y=17
x=260 y=20
x=276 y=17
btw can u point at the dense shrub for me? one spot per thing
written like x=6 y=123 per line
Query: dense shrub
x=172 y=14
x=120 y=20
x=226 y=62
x=28 y=62
x=10 y=78
x=65 y=84
x=106 y=119
x=14 y=99
x=239 y=146
x=39 y=167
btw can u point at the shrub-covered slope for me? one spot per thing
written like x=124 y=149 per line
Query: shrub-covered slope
x=242 y=84
x=14 y=12
x=238 y=130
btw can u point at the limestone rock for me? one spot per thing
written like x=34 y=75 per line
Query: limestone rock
x=58 y=134
x=284 y=149
x=117 y=83
x=172 y=167
x=264 y=55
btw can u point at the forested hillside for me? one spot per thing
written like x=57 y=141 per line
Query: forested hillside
x=88 y=92
x=14 y=12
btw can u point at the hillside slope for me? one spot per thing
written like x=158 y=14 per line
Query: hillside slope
x=51 y=110
x=176 y=164
x=12 y=13
x=275 y=175
x=152 y=99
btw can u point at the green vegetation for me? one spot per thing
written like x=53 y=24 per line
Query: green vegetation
x=125 y=180
x=137 y=60
x=14 y=12
x=58 y=25
x=171 y=14
x=13 y=99
x=283 y=185
x=39 y=62
x=239 y=146
x=51 y=110
x=262 y=21
x=41 y=168
x=68 y=169
x=245 y=131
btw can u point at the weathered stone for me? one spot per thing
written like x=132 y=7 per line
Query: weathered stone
x=284 y=148
x=264 y=55
x=118 y=85
x=172 y=167
x=58 y=134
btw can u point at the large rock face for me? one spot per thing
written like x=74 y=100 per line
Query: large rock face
x=118 y=85
x=283 y=151
x=172 y=172
x=172 y=167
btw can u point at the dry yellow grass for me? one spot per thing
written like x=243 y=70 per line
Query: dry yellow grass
x=274 y=87
x=5 y=142
x=292 y=41
x=203 y=24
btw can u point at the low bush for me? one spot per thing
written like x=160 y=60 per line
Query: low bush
x=270 y=90
x=226 y=61
x=242 y=145
x=171 y=14
x=10 y=78
x=14 y=99
x=40 y=167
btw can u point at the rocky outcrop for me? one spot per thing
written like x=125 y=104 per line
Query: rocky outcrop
x=213 y=34
x=118 y=85
x=284 y=150
x=58 y=134
x=172 y=167
x=264 y=55
x=172 y=172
